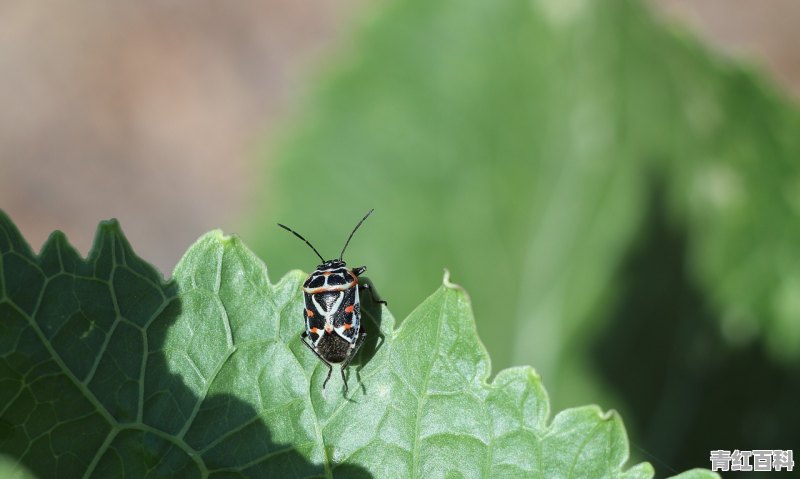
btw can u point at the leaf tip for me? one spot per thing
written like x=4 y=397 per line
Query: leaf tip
x=608 y=415
x=605 y=416
x=450 y=285
x=593 y=410
x=226 y=241
x=57 y=237
x=454 y=286
x=5 y=220
x=109 y=226
x=221 y=237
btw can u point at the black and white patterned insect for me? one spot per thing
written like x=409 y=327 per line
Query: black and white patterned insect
x=332 y=309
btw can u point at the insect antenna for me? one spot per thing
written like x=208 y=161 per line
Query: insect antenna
x=299 y=236
x=353 y=232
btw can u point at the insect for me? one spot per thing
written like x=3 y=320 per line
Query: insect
x=332 y=309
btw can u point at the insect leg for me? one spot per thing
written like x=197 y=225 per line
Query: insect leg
x=359 y=342
x=330 y=370
x=368 y=287
x=303 y=338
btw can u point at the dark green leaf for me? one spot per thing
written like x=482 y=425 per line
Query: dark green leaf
x=109 y=372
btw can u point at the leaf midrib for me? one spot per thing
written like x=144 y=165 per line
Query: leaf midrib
x=423 y=397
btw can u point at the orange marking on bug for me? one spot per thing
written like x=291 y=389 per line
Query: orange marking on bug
x=326 y=273
x=348 y=309
x=314 y=331
x=328 y=328
x=347 y=325
x=309 y=313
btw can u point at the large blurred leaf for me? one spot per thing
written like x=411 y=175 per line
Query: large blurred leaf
x=733 y=168
x=514 y=142
x=109 y=372
x=683 y=394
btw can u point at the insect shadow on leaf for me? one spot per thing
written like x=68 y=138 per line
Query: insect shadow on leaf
x=372 y=313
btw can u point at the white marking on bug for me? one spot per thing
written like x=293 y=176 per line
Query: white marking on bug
x=354 y=327
x=331 y=310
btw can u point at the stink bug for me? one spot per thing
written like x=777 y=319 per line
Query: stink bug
x=332 y=311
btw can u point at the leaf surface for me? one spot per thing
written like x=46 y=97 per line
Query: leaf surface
x=518 y=143
x=107 y=371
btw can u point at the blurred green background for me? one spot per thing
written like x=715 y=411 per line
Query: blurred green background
x=621 y=203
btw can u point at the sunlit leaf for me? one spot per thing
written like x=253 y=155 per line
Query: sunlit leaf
x=519 y=144
x=107 y=371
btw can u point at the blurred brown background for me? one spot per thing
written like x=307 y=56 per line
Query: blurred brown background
x=153 y=112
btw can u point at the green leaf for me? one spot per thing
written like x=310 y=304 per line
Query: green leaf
x=517 y=143
x=107 y=371
x=734 y=177
x=10 y=469
x=695 y=474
